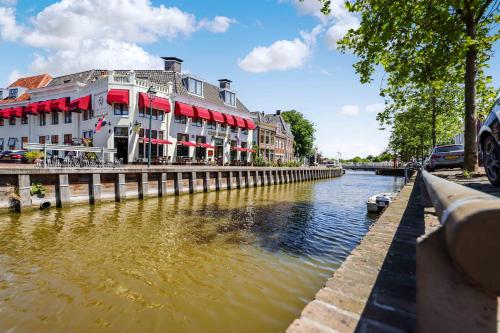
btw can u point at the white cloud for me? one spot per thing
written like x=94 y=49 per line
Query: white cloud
x=95 y=33
x=8 y=3
x=219 y=24
x=375 y=108
x=338 y=22
x=281 y=55
x=14 y=75
x=350 y=110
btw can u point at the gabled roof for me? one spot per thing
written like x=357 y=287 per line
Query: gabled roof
x=30 y=82
x=211 y=93
x=273 y=119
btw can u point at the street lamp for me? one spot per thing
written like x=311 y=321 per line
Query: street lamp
x=151 y=95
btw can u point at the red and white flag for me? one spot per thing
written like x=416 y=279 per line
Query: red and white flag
x=99 y=124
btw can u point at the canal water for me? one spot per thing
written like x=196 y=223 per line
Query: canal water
x=233 y=261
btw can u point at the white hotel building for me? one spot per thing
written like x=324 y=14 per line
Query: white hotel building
x=192 y=119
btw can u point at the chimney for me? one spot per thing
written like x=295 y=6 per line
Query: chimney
x=225 y=83
x=278 y=112
x=173 y=64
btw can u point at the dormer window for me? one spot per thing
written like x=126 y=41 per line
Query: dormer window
x=194 y=86
x=229 y=97
x=13 y=93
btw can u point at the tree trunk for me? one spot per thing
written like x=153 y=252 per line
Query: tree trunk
x=434 y=115
x=470 y=133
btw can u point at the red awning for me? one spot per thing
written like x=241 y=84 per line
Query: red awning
x=229 y=119
x=31 y=108
x=158 y=103
x=182 y=109
x=43 y=107
x=216 y=116
x=240 y=122
x=118 y=96
x=205 y=145
x=5 y=113
x=60 y=104
x=16 y=112
x=201 y=113
x=250 y=124
x=81 y=104
x=186 y=143
x=157 y=141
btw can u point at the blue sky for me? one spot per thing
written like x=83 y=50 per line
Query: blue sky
x=280 y=54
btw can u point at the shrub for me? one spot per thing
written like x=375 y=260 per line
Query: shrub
x=38 y=189
x=33 y=155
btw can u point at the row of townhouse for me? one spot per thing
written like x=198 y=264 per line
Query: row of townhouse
x=273 y=137
x=191 y=118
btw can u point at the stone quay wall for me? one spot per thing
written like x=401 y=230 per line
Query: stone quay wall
x=67 y=186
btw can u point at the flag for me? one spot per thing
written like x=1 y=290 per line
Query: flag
x=99 y=124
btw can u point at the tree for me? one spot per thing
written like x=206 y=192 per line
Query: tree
x=419 y=41
x=303 y=132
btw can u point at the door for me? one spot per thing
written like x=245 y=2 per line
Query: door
x=121 y=145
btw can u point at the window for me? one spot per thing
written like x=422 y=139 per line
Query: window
x=234 y=129
x=54 y=139
x=229 y=98
x=182 y=150
x=24 y=140
x=12 y=121
x=13 y=93
x=212 y=125
x=88 y=114
x=68 y=117
x=1 y=144
x=55 y=118
x=197 y=122
x=142 y=112
x=1 y=121
x=24 y=120
x=223 y=127
x=195 y=86
x=120 y=109
x=12 y=143
x=244 y=131
x=121 y=131
x=41 y=139
x=88 y=134
x=42 y=119
x=179 y=119
x=68 y=139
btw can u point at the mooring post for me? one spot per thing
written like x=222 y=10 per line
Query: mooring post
x=62 y=190
x=178 y=186
x=24 y=186
x=143 y=185
x=247 y=178
x=95 y=188
x=120 y=187
x=162 y=184
x=218 y=177
x=193 y=186
x=206 y=181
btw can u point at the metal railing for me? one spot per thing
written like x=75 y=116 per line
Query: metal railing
x=471 y=224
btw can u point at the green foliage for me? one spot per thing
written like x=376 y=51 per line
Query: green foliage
x=33 y=155
x=384 y=157
x=38 y=189
x=259 y=161
x=292 y=164
x=427 y=48
x=303 y=132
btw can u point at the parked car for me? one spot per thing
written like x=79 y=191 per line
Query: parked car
x=449 y=156
x=489 y=143
x=13 y=156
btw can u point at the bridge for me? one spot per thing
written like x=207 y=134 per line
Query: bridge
x=380 y=168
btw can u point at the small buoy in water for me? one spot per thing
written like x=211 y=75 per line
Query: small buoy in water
x=45 y=205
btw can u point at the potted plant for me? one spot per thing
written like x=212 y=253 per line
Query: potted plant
x=38 y=189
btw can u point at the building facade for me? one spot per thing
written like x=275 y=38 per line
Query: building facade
x=273 y=137
x=191 y=120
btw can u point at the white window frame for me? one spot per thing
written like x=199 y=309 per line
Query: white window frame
x=191 y=81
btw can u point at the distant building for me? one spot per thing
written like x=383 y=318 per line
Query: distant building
x=273 y=136
x=192 y=119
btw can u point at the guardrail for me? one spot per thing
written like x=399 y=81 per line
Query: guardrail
x=458 y=264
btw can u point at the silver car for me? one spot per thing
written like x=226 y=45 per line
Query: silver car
x=450 y=156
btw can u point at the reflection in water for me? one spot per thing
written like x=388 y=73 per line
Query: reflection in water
x=244 y=260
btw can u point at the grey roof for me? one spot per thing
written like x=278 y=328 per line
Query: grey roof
x=272 y=119
x=211 y=93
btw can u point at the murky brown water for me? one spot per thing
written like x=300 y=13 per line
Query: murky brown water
x=234 y=261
